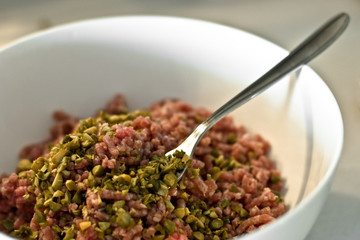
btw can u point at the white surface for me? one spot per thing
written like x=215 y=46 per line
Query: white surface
x=283 y=22
x=74 y=67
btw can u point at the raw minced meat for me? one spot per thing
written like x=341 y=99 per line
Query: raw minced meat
x=107 y=178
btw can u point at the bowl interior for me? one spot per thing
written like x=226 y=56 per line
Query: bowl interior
x=79 y=67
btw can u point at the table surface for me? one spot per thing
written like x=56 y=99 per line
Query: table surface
x=283 y=22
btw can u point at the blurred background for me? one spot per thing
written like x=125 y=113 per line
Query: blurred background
x=284 y=22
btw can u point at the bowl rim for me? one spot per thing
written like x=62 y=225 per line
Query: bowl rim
x=328 y=176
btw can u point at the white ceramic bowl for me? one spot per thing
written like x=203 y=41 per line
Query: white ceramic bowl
x=78 y=67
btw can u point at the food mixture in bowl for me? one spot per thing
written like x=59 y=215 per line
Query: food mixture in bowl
x=106 y=177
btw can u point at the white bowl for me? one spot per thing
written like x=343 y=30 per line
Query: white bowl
x=78 y=67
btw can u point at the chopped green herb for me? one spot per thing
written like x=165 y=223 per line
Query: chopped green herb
x=198 y=235
x=118 y=205
x=91 y=130
x=274 y=179
x=231 y=138
x=7 y=224
x=39 y=217
x=23 y=232
x=251 y=155
x=169 y=205
x=180 y=212
x=124 y=219
x=159 y=237
x=54 y=206
x=84 y=225
x=71 y=185
x=104 y=225
x=233 y=188
x=169 y=226
x=225 y=203
x=37 y=164
x=58 y=182
x=244 y=213
x=190 y=219
x=91 y=180
x=170 y=179
x=24 y=164
x=77 y=197
x=98 y=171
x=216 y=223
x=58 y=193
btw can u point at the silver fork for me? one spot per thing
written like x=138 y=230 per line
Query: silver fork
x=306 y=51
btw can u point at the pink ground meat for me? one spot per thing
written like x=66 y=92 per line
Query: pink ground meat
x=252 y=184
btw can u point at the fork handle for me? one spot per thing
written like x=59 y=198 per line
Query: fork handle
x=306 y=51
